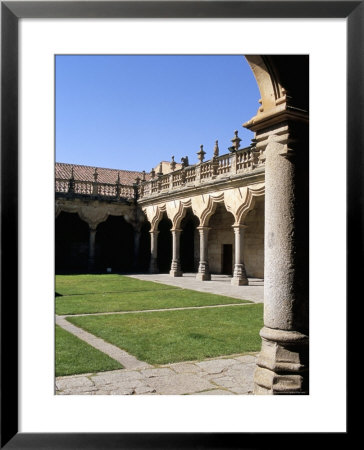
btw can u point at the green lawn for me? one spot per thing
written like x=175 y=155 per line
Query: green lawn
x=172 y=336
x=84 y=294
x=92 y=284
x=74 y=356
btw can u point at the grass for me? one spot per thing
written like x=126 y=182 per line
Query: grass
x=172 y=336
x=86 y=294
x=93 y=284
x=74 y=356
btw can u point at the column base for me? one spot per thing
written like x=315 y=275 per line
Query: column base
x=203 y=276
x=175 y=273
x=175 y=269
x=282 y=366
x=239 y=281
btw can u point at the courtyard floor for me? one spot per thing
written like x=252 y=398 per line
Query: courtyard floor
x=219 y=284
x=225 y=375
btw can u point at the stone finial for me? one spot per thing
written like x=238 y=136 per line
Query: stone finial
x=201 y=154
x=118 y=178
x=160 y=173
x=143 y=175
x=72 y=174
x=236 y=142
x=216 y=148
x=137 y=180
x=96 y=174
x=172 y=164
x=152 y=173
x=184 y=162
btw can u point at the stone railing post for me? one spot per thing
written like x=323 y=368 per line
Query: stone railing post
x=239 y=275
x=176 y=265
x=153 y=266
x=203 y=268
x=234 y=163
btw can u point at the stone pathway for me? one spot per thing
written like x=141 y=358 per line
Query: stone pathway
x=220 y=376
x=153 y=310
x=128 y=361
x=219 y=284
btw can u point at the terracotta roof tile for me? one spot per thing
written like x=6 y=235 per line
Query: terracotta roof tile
x=86 y=173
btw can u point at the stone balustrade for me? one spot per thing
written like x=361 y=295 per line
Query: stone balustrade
x=239 y=162
x=110 y=191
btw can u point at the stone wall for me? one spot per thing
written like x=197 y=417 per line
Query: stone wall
x=220 y=233
x=254 y=242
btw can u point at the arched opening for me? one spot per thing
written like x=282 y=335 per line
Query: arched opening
x=164 y=244
x=114 y=245
x=189 y=242
x=221 y=241
x=71 y=246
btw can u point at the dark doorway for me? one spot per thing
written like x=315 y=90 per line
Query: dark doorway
x=114 y=245
x=164 y=257
x=187 y=243
x=227 y=259
x=71 y=246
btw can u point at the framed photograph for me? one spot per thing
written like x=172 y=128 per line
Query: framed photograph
x=32 y=33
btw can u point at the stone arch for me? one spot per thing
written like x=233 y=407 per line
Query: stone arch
x=154 y=215
x=266 y=77
x=181 y=213
x=248 y=204
x=210 y=208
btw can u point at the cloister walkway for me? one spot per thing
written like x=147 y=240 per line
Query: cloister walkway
x=219 y=284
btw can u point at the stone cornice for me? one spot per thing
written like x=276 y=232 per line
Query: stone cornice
x=281 y=113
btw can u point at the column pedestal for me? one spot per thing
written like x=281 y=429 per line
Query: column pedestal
x=282 y=363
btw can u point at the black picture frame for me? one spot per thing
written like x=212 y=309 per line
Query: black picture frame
x=11 y=12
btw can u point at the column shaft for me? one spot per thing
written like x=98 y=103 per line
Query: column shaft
x=91 y=249
x=283 y=360
x=153 y=266
x=203 y=268
x=136 y=248
x=176 y=265
x=239 y=275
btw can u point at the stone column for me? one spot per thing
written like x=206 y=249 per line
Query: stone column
x=153 y=266
x=176 y=265
x=136 y=248
x=91 y=248
x=239 y=275
x=283 y=361
x=203 y=268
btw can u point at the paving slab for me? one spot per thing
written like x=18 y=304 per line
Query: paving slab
x=219 y=284
x=216 y=376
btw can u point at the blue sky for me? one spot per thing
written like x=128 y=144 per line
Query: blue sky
x=131 y=112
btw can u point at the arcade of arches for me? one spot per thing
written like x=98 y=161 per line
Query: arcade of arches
x=243 y=214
